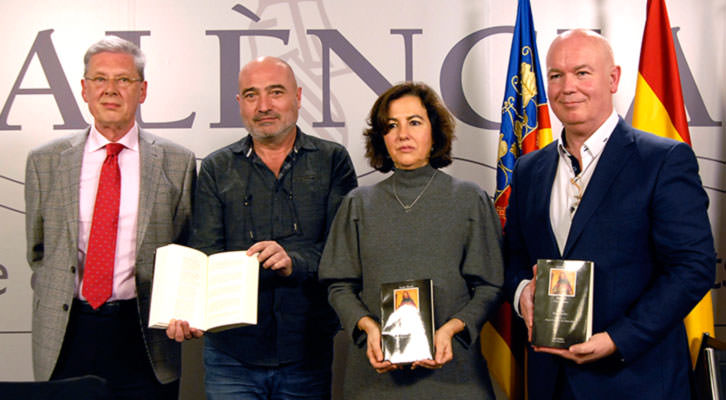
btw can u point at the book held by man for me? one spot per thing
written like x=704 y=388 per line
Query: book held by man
x=212 y=293
x=563 y=303
x=407 y=321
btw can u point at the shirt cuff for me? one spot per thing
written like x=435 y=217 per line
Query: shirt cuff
x=518 y=293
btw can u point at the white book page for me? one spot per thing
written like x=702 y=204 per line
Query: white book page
x=232 y=289
x=179 y=286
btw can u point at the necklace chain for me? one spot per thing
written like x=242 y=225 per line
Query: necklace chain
x=407 y=208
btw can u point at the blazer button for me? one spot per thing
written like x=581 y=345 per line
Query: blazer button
x=73 y=270
x=65 y=307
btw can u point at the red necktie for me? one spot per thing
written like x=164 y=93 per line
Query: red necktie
x=101 y=254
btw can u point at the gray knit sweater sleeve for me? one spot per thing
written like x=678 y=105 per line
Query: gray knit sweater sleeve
x=340 y=268
x=482 y=266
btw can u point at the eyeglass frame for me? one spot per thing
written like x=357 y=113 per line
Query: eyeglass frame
x=121 y=81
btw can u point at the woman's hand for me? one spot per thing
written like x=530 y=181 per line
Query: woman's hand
x=373 y=345
x=442 y=345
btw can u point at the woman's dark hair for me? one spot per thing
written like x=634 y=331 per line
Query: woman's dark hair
x=442 y=126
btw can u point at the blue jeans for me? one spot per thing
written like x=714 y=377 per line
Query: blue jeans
x=226 y=378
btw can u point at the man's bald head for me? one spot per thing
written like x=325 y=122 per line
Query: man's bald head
x=269 y=99
x=581 y=80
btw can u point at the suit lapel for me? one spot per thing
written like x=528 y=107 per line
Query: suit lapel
x=71 y=160
x=546 y=167
x=617 y=150
x=150 y=158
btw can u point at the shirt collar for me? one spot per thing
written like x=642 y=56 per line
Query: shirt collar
x=595 y=143
x=302 y=142
x=97 y=141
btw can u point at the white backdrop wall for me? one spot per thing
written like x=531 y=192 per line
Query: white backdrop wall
x=344 y=53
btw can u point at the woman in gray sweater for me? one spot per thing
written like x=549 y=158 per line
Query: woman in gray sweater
x=419 y=223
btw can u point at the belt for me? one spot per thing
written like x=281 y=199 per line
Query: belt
x=108 y=308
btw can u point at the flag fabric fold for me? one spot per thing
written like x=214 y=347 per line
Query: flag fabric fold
x=525 y=123
x=659 y=108
x=525 y=127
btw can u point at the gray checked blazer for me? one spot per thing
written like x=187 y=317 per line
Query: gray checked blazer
x=52 y=175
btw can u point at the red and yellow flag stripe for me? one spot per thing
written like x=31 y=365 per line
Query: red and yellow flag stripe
x=659 y=108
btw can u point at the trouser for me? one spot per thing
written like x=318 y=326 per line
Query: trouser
x=108 y=342
x=226 y=378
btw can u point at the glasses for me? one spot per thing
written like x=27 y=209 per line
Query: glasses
x=121 y=81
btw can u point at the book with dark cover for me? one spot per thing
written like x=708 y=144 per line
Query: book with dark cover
x=407 y=321
x=563 y=303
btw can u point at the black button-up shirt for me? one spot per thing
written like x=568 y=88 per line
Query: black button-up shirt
x=239 y=202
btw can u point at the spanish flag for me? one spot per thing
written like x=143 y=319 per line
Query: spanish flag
x=525 y=127
x=658 y=108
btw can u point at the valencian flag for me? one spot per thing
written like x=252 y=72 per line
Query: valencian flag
x=525 y=127
x=658 y=108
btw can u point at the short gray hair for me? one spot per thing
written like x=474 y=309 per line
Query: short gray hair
x=114 y=44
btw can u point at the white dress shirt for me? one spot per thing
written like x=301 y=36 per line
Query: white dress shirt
x=569 y=185
x=124 y=285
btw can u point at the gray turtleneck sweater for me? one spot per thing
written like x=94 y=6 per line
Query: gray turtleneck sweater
x=450 y=235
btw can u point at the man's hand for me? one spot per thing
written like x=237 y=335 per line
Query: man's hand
x=599 y=346
x=442 y=345
x=373 y=345
x=180 y=331
x=526 y=302
x=272 y=256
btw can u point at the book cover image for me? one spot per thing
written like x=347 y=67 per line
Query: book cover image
x=562 y=303
x=407 y=321
x=406 y=296
x=562 y=282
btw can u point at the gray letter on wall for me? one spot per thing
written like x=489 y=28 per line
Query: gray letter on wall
x=451 y=80
x=3 y=276
x=135 y=38
x=229 y=66
x=57 y=82
x=331 y=39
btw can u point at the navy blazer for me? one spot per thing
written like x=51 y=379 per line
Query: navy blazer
x=643 y=221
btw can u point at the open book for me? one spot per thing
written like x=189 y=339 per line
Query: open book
x=210 y=292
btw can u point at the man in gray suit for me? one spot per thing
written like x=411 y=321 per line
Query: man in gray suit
x=83 y=324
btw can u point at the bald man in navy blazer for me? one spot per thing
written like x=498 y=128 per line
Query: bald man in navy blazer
x=633 y=203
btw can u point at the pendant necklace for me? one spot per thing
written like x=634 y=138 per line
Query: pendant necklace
x=407 y=208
